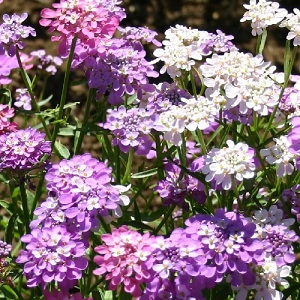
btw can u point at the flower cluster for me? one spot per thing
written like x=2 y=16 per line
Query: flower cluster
x=5 y=114
x=292 y=200
x=228 y=164
x=12 y=31
x=21 y=150
x=56 y=294
x=117 y=68
x=280 y=155
x=241 y=80
x=52 y=254
x=46 y=62
x=23 y=99
x=131 y=128
x=176 y=187
x=294 y=139
x=89 y=20
x=5 y=249
x=125 y=258
x=194 y=113
x=79 y=192
x=263 y=14
x=292 y=23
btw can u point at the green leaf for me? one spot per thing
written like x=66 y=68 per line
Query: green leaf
x=8 y=292
x=144 y=174
x=45 y=101
x=66 y=131
x=62 y=149
x=4 y=204
x=11 y=228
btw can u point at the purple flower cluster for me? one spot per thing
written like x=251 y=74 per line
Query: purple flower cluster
x=131 y=128
x=177 y=187
x=5 y=249
x=79 y=191
x=23 y=99
x=292 y=199
x=12 y=31
x=46 y=62
x=125 y=258
x=294 y=139
x=55 y=295
x=5 y=114
x=117 y=68
x=22 y=149
x=52 y=255
x=90 y=20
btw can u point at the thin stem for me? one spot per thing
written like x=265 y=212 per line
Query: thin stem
x=85 y=120
x=27 y=83
x=164 y=220
x=127 y=174
x=25 y=206
x=64 y=91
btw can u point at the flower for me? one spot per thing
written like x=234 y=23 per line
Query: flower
x=46 y=62
x=79 y=190
x=23 y=99
x=90 y=20
x=182 y=48
x=131 y=128
x=56 y=294
x=11 y=32
x=262 y=14
x=292 y=23
x=51 y=255
x=22 y=149
x=7 y=64
x=175 y=188
x=5 y=114
x=229 y=163
x=194 y=113
x=125 y=258
x=5 y=249
x=280 y=155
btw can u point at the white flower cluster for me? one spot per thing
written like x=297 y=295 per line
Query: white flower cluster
x=280 y=155
x=182 y=47
x=263 y=14
x=234 y=161
x=195 y=113
x=244 y=80
x=292 y=23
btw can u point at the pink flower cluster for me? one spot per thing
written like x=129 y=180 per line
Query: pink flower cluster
x=89 y=20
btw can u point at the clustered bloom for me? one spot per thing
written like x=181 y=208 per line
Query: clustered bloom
x=79 y=191
x=292 y=23
x=23 y=99
x=46 y=62
x=224 y=165
x=5 y=249
x=56 y=294
x=89 y=20
x=182 y=48
x=175 y=188
x=125 y=258
x=280 y=155
x=51 y=254
x=294 y=139
x=263 y=13
x=5 y=114
x=12 y=31
x=22 y=149
x=131 y=128
x=118 y=68
x=194 y=113
x=291 y=198
x=240 y=80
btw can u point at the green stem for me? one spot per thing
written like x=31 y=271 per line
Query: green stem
x=127 y=174
x=28 y=85
x=91 y=96
x=64 y=91
x=202 y=142
x=193 y=83
x=25 y=206
x=164 y=220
